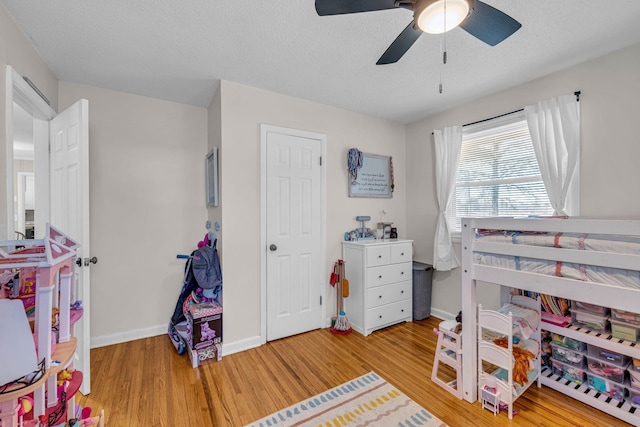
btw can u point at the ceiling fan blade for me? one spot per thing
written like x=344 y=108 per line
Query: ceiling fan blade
x=489 y=25
x=400 y=45
x=339 y=7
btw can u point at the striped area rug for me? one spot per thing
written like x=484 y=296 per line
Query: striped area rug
x=365 y=401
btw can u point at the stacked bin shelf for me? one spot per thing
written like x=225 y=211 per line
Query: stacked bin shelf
x=605 y=340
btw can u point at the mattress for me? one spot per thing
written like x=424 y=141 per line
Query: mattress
x=587 y=242
x=525 y=320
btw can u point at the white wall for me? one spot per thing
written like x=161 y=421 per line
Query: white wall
x=610 y=109
x=243 y=109
x=147 y=205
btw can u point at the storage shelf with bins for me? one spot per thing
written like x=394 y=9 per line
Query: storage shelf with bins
x=51 y=262
x=582 y=392
x=380 y=282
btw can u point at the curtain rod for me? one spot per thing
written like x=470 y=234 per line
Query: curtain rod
x=577 y=94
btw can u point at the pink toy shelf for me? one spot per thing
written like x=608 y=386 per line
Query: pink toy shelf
x=46 y=269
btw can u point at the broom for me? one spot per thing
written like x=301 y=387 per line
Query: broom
x=342 y=325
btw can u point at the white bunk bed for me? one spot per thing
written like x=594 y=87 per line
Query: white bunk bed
x=517 y=325
x=603 y=291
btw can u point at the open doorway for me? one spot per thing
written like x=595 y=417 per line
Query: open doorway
x=27 y=160
x=24 y=200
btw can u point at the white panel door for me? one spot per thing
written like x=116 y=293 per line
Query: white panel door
x=69 y=179
x=294 y=234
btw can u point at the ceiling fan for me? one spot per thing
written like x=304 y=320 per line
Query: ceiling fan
x=482 y=21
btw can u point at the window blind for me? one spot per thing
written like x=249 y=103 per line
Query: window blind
x=498 y=174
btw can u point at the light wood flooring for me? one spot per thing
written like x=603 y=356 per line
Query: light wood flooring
x=146 y=383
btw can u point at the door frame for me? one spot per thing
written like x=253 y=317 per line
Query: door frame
x=19 y=91
x=264 y=130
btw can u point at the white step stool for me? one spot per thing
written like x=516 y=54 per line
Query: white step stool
x=449 y=352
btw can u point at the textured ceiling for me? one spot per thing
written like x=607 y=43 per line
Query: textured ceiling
x=180 y=50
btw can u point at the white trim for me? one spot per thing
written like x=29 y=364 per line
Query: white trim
x=264 y=129
x=132 y=335
x=27 y=98
x=441 y=314
x=242 y=345
x=154 y=331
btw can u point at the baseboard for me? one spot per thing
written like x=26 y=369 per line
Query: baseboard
x=138 y=334
x=441 y=314
x=242 y=345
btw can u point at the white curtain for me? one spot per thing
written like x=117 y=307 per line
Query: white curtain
x=554 y=126
x=448 y=144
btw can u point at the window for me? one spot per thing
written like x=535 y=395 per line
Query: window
x=498 y=173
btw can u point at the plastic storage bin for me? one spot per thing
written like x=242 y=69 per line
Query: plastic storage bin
x=607 y=355
x=564 y=355
x=422 y=276
x=625 y=316
x=592 y=321
x=606 y=386
x=568 y=372
x=557 y=367
x=625 y=331
x=634 y=397
x=634 y=377
x=635 y=365
x=606 y=370
x=591 y=308
x=569 y=343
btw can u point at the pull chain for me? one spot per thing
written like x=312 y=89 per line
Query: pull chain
x=444 y=44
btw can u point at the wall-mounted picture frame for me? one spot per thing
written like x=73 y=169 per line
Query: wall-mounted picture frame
x=211 y=166
x=374 y=177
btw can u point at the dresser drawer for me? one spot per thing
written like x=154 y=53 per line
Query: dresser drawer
x=387 y=274
x=378 y=255
x=387 y=314
x=402 y=252
x=388 y=293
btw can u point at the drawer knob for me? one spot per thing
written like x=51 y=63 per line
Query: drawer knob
x=380 y=317
x=401 y=273
x=380 y=277
x=402 y=310
x=402 y=292
x=379 y=296
x=401 y=253
x=379 y=256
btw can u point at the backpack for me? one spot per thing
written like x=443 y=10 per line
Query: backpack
x=201 y=271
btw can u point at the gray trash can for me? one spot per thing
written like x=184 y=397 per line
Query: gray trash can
x=422 y=275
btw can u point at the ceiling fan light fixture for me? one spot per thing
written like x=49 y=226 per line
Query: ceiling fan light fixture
x=429 y=15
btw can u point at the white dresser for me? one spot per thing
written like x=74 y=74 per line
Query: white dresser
x=380 y=283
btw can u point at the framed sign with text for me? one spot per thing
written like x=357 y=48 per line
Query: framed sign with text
x=373 y=177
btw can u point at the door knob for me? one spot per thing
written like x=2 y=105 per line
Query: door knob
x=93 y=260
x=273 y=248
x=79 y=262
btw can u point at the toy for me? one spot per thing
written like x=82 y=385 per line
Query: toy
x=206 y=332
x=362 y=233
x=64 y=375
x=25 y=405
x=456 y=327
x=490 y=396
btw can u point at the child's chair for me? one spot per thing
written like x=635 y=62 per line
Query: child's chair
x=449 y=352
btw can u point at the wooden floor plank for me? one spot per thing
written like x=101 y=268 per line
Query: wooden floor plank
x=146 y=383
